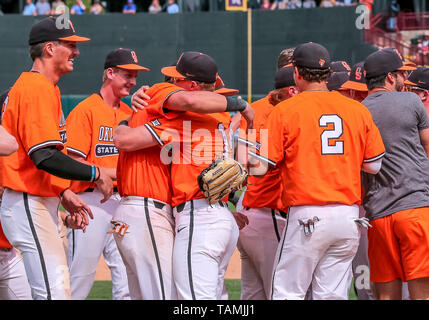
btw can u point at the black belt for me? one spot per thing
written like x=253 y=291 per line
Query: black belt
x=181 y=206
x=92 y=189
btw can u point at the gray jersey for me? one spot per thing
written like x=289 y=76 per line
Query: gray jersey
x=403 y=181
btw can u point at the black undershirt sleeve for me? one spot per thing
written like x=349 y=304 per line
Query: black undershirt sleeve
x=53 y=161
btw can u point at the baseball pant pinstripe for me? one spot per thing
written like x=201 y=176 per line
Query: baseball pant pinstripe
x=31 y=225
x=147 y=248
x=85 y=250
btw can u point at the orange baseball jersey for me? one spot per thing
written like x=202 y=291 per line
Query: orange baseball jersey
x=4 y=243
x=319 y=141
x=142 y=173
x=191 y=141
x=262 y=191
x=90 y=129
x=32 y=113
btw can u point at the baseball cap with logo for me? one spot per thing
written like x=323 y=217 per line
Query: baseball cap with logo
x=193 y=66
x=123 y=59
x=336 y=80
x=284 y=78
x=419 y=78
x=357 y=78
x=384 y=61
x=50 y=29
x=340 y=66
x=311 y=55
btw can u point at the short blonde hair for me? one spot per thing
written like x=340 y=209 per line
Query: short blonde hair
x=105 y=73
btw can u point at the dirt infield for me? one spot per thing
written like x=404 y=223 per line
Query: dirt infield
x=233 y=271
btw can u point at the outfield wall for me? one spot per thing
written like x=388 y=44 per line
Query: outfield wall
x=159 y=39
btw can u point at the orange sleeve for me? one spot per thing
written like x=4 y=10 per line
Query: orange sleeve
x=79 y=132
x=39 y=118
x=159 y=93
x=276 y=137
x=374 y=148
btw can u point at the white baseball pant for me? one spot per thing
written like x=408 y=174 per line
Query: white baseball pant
x=86 y=248
x=31 y=225
x=13 y=279
x=322 y=258
x=258 y=244
x=147 y=247
x=206 y=236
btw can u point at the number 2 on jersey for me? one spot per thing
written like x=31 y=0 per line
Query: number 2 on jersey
x=328 y=134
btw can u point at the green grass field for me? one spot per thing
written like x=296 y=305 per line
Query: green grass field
x=102 y=290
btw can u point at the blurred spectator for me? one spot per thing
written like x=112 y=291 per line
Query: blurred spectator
x=29 y=9
x=130 y=7
x=43 y=7
x=266 y=5
x=309 y=4
x=172 y=7
x=368 y=3
x=191 y=5
x=78 y=8
x=155 y=7
x=58 y=7
x=96 y=8
x=327 y=3
x=292 y=4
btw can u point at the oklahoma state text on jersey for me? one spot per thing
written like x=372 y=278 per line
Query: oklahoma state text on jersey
x=142 y=173
x=190 y=142
x=32 y=113
x=263 y=191
x=90 y=128
x=320 y=141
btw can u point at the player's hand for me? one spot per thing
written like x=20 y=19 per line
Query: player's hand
x=75 y=221
x=140 y=99
x=249 y=115
x=76 y=206
x=105 y=185
x=240 y=219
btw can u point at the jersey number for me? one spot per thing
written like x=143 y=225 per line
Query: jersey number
x=335 y=133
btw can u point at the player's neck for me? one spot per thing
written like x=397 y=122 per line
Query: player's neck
x=47 y=70
x=313 y=86
x=109 y=97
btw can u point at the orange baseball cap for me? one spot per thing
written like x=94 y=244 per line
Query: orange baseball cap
x=49 y=29
x=123 y=59
x=220 y=88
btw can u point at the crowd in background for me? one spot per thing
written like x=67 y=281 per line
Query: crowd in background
x=46 y=7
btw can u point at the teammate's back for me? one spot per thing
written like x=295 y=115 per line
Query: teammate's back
x=326 y=141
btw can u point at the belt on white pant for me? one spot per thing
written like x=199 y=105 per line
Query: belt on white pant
x=276 y=212
x=197 y=203
x=141 y=201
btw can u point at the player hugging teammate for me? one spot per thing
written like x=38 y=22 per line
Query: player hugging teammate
x=149 y=189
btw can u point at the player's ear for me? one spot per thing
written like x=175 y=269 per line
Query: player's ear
x=425 y=95
x=293 y=91
x=49 y=48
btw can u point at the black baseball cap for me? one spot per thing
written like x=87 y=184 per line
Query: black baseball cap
x=336 y=80
x=195 y=66
x=340 y=66
x=284 y=78
x=311 y=55
x=357 y=80
x=123 y=59
x=49 y=30
x=419 y=78
x=384 y=61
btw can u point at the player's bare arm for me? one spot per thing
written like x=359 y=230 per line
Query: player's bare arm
x=132 y=139
x=8 y=144
x=424 y=139
x=75 y=206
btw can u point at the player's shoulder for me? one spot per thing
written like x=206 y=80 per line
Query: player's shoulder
x=87 y=105
x=33 y=82
x=162 y=88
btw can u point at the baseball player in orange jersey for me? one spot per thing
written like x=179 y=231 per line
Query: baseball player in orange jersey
x=200 y=276
x=37 y=177
x=260 y=203
x=90 y=128
x=320 y=147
